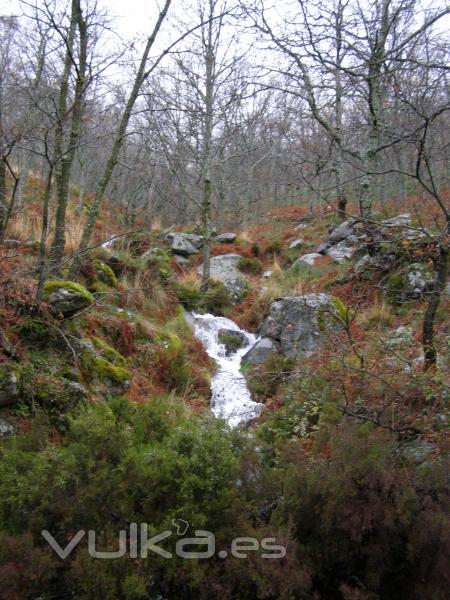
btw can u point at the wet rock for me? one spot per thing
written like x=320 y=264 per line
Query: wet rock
x=296 y=244
x=226 y=238
x=301 y=324
x=232 y=340
x=261 y=351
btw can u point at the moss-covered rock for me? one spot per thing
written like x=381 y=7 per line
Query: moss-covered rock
x=103 y=364
x=67 y=297
x=104 y=273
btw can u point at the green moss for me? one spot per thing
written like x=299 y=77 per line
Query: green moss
x=98 y=287
x=188 y=295
x=98 y=368
x=109 y=353
x=35 y=330
x=104 y=273
x=217 y=299
x=250 y=265
x=159 y=261
x=231 y=342
x=53 y=286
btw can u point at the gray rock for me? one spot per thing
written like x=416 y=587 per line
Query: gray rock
x=67 y=301
x=300 y=226
x=417 y=451
x=365 y=263
x=78 y=391
x=341 y=251
x=232 y=340
x=226 y=238
x=224 y=268
x=341 y=232
x=296 y=244
x=5 y=428
x=261 y=351
x=182 y=260
x=400 y=337
x=307 y=259
x=9 y=390
x=267 y=274
x=323 y=247
x=301 y=324
x=402 y=220
x=185 y=244
x=418 y=278
x=152 y=253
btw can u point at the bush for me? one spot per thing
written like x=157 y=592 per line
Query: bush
x=217 y=299
x=250 y=265
x=188 y=295
x=274 y=248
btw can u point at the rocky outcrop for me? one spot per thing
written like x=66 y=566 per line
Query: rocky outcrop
x=409 y=283
x=184 y=244
x=67 y=297
x=261 y=351
x=301 y=324
x=225 y=268
x=226 y=238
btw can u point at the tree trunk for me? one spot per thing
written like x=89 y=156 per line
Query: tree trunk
x=118 y=140
x=63 y=177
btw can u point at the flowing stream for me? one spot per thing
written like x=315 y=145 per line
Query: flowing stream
x=230 y=396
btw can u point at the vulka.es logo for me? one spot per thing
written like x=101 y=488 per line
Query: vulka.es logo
x=138 y=544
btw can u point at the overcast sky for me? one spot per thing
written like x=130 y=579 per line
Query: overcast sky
x=133 y=16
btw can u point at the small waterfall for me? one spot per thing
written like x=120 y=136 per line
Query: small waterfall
x=230 y=396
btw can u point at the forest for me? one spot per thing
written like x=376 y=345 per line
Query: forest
x=224 y=300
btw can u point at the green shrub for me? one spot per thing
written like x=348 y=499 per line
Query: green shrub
x=250 y=265
x=265 y=379
x=217 y=299
x=274 y=248
x=188 y=295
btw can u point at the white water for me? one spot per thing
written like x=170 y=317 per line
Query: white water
x=230 y=396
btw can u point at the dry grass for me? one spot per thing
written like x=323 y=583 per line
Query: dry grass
x=376 y=317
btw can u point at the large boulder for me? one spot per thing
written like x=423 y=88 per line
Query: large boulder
x=261 y=351
x=301 y=324
x=226 y=238
x=225 y=268
x=185 y=244
x=67 y=297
